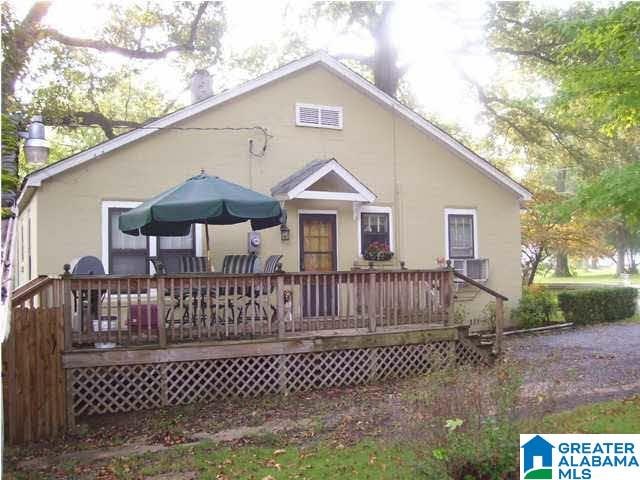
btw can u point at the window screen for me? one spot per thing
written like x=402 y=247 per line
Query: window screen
x=127 y=253
x=461 y=241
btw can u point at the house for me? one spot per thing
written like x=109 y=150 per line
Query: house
x=351 y=165
x=537 y=447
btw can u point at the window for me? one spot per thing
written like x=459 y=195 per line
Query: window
x=319 y=116
x=170 y=249
x=461 y=241
x=375 y=225
x=127 y=253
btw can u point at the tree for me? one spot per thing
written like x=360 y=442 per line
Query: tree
x=615 y=194
x=546 y=229
x=72 y=86
x=575 y=114
x=374 y=20
x=190 y=31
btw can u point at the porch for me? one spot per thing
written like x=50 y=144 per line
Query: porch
x=105 y=344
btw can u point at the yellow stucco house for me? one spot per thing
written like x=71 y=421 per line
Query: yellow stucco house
x=351 y=165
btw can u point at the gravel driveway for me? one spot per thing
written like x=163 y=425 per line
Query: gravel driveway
x=585 y=364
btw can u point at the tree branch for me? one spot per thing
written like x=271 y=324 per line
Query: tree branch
x=138 y=53
x=525 y=53
x=93 y=119
x=364 y=59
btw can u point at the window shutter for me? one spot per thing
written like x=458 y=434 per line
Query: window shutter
x=319 y=116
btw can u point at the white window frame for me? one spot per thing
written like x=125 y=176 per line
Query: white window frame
x=461 y=211
x=375 y=209
x=153 y=241
x=337 y=109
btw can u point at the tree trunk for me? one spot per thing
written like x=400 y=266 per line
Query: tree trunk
x=386 y=73
x=562 y=265
x=633 y=266
x=620 y=254
x=621 y=249
x=594 y=263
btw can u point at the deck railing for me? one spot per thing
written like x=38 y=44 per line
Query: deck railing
x=108 y=310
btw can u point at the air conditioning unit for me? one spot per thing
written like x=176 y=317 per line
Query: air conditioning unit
x=474 y=268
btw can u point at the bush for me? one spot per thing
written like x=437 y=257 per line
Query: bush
x=598 y=305
x=473 y=424
x=535 y=309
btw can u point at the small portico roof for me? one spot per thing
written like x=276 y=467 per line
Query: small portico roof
x=297 y=185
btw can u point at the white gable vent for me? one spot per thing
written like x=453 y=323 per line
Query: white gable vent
x=320 y=116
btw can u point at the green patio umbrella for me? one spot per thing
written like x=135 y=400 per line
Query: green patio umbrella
x=201 y=199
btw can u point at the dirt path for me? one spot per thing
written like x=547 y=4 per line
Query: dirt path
x=582 y=365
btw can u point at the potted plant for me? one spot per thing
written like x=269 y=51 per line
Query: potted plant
x=378 y=251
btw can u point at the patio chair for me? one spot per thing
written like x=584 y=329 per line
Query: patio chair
x=238 y=264
x=191 y=264
x=271 y=265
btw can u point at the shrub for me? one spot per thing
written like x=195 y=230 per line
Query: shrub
x=598 y=305
x=535 y=309
x=475 y=418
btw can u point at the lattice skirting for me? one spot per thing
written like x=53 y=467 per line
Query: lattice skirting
x=124 y=388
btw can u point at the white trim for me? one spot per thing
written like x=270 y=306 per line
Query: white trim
x=199 y=233
x=332 y=64
x=320 y=108
x=321 y=212
x=461 y=211
x=363 y=193
x=375 y=209
x=318 y=212
x=320 y=195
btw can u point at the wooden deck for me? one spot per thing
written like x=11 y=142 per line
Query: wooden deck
x=181 y=339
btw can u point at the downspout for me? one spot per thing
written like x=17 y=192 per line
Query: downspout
x=400 y=229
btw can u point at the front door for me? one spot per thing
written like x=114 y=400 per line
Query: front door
x=317 y=254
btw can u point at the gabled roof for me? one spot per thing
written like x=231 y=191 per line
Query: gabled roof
x=297 y=184
x=35 y=178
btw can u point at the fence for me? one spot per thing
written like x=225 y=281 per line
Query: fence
x=128 y=310
x=33 y=378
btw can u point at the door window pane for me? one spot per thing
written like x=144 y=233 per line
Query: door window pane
x=461 y=241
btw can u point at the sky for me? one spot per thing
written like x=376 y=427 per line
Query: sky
x=429 y=35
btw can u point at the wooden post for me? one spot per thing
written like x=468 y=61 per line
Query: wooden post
x=162 y=332
x=66 y=308
x=449 y=286
x=280 y=310
x=372 y=302
x=499 y=325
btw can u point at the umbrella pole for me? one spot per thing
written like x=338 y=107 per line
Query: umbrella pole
x=206 y=234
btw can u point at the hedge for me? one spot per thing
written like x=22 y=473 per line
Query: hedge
x=598 y=305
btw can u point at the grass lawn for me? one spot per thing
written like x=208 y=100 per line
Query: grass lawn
x=605 y=275
x=621 y=416
x=366 y=459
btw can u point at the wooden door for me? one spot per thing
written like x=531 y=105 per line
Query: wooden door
x=318 y=253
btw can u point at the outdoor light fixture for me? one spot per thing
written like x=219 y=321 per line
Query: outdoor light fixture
x=36 y=148
x=284 y=232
